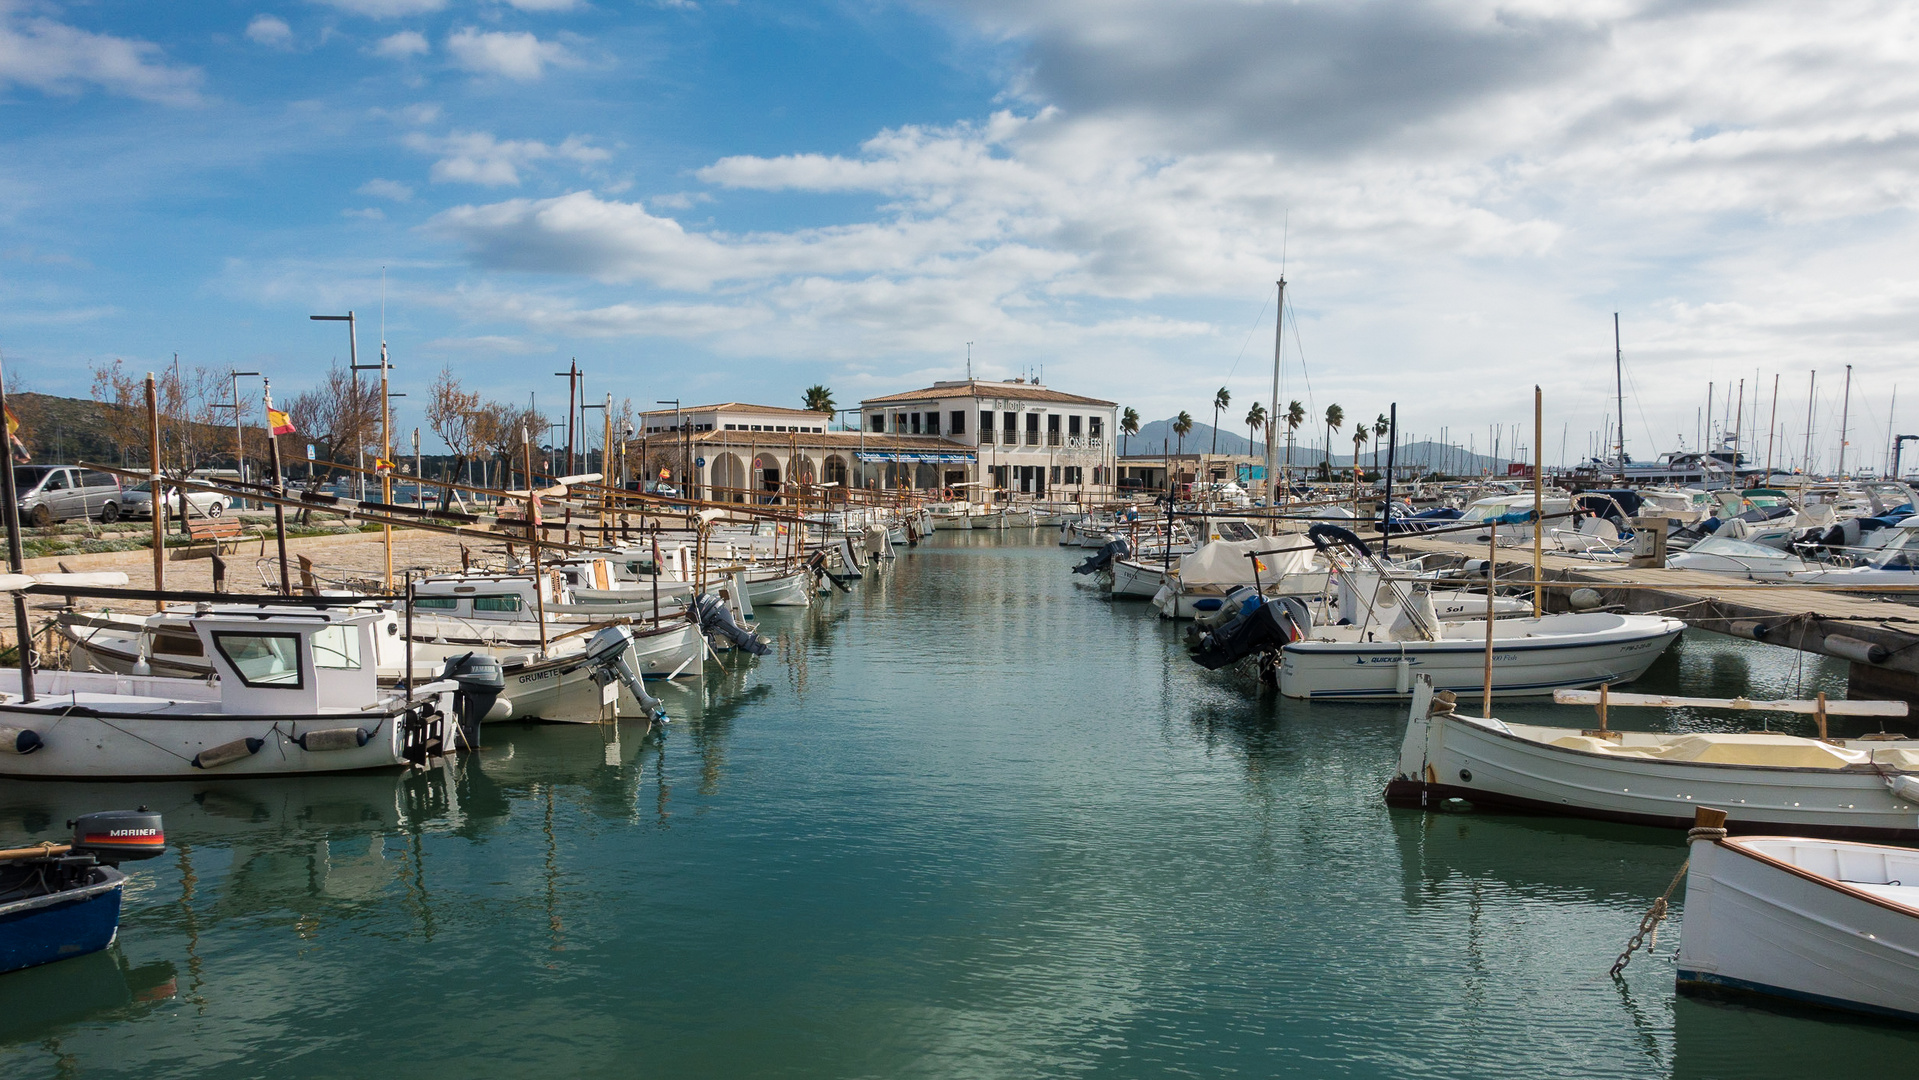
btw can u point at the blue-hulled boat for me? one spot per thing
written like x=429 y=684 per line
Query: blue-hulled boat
x=63 y=900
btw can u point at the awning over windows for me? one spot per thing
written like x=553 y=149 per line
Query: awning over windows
x=911 y=456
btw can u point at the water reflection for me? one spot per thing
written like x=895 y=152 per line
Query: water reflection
x=1716 y=1040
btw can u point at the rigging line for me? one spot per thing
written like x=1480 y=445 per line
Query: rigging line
x=1258 y=320
x=1303 y=373
x=1641 y=406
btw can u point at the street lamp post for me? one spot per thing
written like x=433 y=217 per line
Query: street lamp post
x=680 y=437
x=239 y=438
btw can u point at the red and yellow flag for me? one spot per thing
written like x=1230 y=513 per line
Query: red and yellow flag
x=381 y=464
x=280 y=422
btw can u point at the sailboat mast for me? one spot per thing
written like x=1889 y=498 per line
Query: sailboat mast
x=1619 y=395
x=1845 y=410
x=1812 y=393
x=1272 y=413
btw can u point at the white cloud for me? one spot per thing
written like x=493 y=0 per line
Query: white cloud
x=387 y=189
x=517 y=56
x=269 y=30
x=402 y=45
x=56 y=58
x=371 y=213
x=545 y=5
x=385 y=9
x=476 y=157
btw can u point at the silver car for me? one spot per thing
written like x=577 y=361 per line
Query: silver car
x=50 y=493
x=138 y=502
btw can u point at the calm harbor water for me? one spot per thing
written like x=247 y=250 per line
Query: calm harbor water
x=970 y=820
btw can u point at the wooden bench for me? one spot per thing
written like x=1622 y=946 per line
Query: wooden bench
x=225 y=533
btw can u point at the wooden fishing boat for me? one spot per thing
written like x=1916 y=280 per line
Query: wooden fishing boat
x=293 y=690
x=1865 y=788
x=1828 y=923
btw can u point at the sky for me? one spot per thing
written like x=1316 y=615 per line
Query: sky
x=737 y=200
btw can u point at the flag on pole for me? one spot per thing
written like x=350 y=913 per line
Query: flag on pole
x=666 y=474
x=13 y=438
x=382 y=465
x=280 y=422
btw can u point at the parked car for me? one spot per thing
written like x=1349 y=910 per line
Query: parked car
x=50 y=493
x=138 y=502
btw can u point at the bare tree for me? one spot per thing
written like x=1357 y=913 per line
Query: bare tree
x=453 y=414
x=341 y=415
x=191 y=427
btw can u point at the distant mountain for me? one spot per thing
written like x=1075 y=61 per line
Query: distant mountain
x=1157 y=437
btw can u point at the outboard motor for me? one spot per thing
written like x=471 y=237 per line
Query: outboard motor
x=1256 y=627
x=112 y=837
x=481 y=681
x=1103 y=558
x=716 y=619
x=611 y=651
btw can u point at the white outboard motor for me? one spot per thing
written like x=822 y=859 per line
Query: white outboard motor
x=611 y=651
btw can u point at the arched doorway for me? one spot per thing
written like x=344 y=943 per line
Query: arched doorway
x=835 y=470
x=729 y=472
x=766 y=477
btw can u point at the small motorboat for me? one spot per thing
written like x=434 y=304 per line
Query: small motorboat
x=1829 y=923
x=63 y=900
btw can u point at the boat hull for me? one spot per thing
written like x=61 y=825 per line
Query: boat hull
x=785 y=590
x=1136 y=580
x=1446 y=757
x=41 y=929
x=1762 y=925
x=1522 y=667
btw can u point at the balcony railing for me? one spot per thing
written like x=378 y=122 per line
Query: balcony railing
x=1052 y=438
x=1032 y=438
x=986 y=437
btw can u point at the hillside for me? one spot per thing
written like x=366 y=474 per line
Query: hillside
x=1424 y=455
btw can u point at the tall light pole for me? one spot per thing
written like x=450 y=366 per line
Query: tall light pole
x=680 y=437
x=239 y=438
x=572 y=377
x=353 y=366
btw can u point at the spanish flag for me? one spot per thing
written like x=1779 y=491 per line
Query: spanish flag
x=18 y=448
x=280 y=422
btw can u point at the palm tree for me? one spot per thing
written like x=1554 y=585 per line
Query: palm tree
x=1221 y=400
x=1182 y=427
x=1295 y=416
x=1380 y=427
x=819 y=399
x=1335 y=418
x=1128 y=427
x=1255 y=420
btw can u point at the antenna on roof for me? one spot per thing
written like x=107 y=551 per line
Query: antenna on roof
x=969 y=361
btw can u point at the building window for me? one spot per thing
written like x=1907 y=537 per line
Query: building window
x=878 y=424
x=916 y=423
x=985 y=426
x=1052 y=433
x=1056 y=469
x=732 y=427
x=958 y=426
x=932 y=423
x=1097 y=426
x=1032 y=429
x=1009 y=429
x=1072 y=426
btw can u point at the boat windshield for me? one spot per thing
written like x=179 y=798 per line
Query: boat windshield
x=262 y=659
x=1737 y=549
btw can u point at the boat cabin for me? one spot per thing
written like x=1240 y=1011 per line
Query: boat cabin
x=492 y=597
x=291 y=661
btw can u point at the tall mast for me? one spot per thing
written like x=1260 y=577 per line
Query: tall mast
x=1844 y=409
x=1619 y=395
x=1272 y=414
x=1812 y=387
x=1771 y=425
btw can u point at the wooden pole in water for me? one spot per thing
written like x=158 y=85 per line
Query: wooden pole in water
x=158 y=504
x=16 y=558
x=279 y=489
x=1539 y=500
x=1492 y=575
x=533 y=535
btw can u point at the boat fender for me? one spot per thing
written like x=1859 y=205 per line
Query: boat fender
x=1852 y=648
x=1904 y=786
x=340 y=738
x=227 y=753
x=15 y=740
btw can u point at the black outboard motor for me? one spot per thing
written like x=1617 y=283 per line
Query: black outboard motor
x=716 y=619
x=481 y=681
x=112 y=837
x=1259 y=627
x=1103 y=558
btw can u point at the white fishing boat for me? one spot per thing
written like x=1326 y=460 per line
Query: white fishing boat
x=561 y=683
x=502 y=611
x=1865 y=787
x=293 y=690
x=1828 y=923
